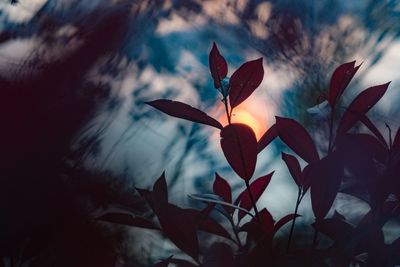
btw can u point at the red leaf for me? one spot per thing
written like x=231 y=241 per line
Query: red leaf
x=361 y=105
x=258 y=230
x=257 y=188
x=127 y=219
x=334 y=228
x=294 y=168
x=219 y=254
x=207 y=224
x=267 y=221
x=325 y=177
x=180 y=228
x=339 y=81
x=210 y=226
x=222 y=188
x=239 y=145
x=218 y=66
x=184 y=111
x=297 y=138
x=267 y=138
x=284 y=220
x=368 y=123
x=160 y=190
x=244 y=81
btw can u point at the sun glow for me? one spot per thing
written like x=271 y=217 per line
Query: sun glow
x=242 y=115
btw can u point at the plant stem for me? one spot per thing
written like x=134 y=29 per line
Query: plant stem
x=227 y=110
x=239 y=243
x=294 y=220
x=390 y=136
x=252 y=200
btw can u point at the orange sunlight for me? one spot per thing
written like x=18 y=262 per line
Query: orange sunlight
x=243 y=115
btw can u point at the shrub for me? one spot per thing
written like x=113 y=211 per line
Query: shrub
x=365 y=161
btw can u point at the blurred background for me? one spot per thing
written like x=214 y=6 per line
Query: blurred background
x=76 y=136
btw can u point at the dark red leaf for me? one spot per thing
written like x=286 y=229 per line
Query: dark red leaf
x=184 y=111
x=127 y=219
x=163 y=263
x=396 y=141
x=339 y=81
x=179 y=226
x=363 y=145
x=207 y=224
x=222 y=188
x=306 y=178
x=218 y=66
x=297 y=138
x=160 y=190
x=257 y=230
x=284 y=220
x=239 y=145
x=217 y=255
x=257 y=188
x=267 y=138
x=368 y=123
x=294 y=168
x=334 y=228
x=244 y=81
x=325 y=176
x=361 y=105
x=210 y=226
x=267 y=221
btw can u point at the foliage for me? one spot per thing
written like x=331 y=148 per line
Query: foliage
x=348 y=156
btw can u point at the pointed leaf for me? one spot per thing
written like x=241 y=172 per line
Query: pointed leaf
x=219 y=254
x=258 y=230
x=334 y=228
x=218 y=66
x=295 y=136
x=361 y=105
x=325 y=176
x=284 y=220
x=184 y=111
x=339 y=81
x=257 y=188
x=368 y=123
x=180 y=228
x=294 y=168
x=267 y=138
x=267 y=221
x=160 y=190
x=239 y=145
x=222 y=188
x=207 y=224
x=127 y=219
x=244 y=81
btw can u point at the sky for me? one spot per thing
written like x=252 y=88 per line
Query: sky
x=163 y=53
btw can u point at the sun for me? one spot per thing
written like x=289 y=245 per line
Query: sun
x=242 y=115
